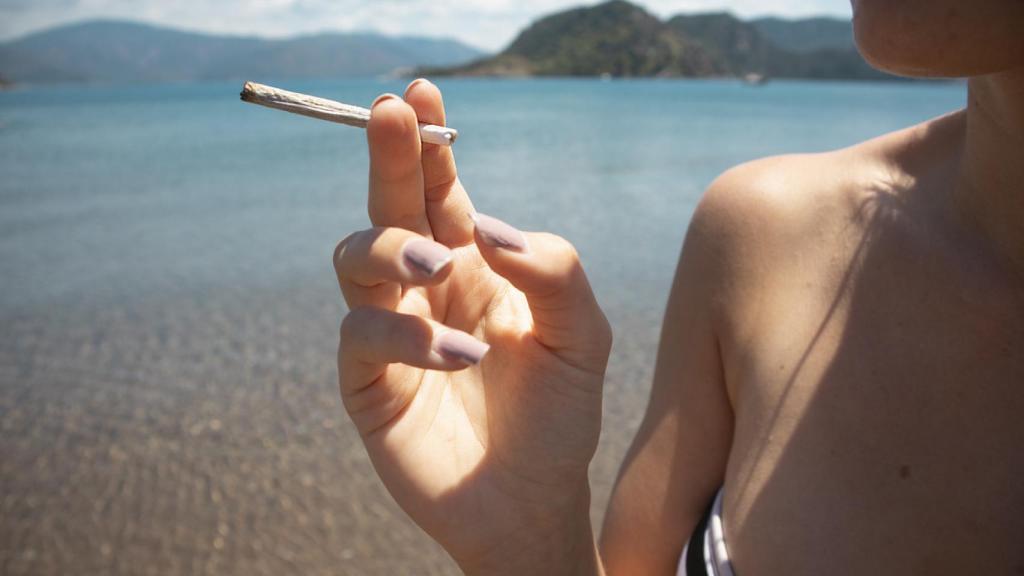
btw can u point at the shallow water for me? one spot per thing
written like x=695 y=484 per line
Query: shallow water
x=169 y=312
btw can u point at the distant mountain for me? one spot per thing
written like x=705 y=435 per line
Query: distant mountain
x=117 y=51
x=616 y=38
x=737 y=46
x=807 y=35
x=622 y=39
x=742 y=47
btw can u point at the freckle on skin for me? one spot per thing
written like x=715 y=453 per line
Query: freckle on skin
x=904 y=472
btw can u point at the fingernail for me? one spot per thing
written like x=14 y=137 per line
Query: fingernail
x=456 y=345
x=382 y=98
x=499 y=234
x=424 y=257
x=416 y=83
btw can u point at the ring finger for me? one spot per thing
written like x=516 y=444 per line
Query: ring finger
x=372 y=265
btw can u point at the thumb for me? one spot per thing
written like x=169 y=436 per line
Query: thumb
x=547 y=270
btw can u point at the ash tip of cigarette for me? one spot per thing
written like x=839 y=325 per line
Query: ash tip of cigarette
x=247 y=90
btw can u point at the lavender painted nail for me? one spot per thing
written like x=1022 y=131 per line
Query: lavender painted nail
x=424 y=257
x=456 y=345
x=499 y=234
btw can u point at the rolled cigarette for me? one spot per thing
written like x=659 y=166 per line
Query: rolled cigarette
x=332 y=111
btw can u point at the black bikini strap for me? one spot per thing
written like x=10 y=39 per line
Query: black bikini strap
x=695 y=565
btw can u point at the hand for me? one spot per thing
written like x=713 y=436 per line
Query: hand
x=473 y=357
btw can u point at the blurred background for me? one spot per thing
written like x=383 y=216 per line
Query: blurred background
x=168 y=310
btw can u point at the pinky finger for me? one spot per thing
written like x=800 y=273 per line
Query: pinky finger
x=372 y=338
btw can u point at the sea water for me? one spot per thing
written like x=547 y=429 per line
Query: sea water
x=108 y=193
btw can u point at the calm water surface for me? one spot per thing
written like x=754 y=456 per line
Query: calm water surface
x=113 y=193
x=169 y=312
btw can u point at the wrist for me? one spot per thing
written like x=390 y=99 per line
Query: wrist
x=561 y=542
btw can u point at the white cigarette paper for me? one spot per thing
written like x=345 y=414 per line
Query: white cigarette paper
x=332 y=111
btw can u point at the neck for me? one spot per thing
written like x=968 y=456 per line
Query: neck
x=990 y=191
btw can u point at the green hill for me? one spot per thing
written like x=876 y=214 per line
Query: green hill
x=737 y=47
x=624 y=40
x=616 y=38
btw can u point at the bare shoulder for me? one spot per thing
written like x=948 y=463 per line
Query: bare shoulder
x=781 y=195
x=780 y=198
x=801 y=215
x=759 y=219
x=766 y=204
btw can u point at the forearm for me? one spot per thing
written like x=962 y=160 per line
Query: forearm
x=563 y=544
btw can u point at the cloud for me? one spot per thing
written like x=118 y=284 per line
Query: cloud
x=489 y=24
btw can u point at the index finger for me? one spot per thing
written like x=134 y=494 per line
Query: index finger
x=396 y=178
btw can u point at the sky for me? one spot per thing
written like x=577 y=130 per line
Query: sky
x=486 y=24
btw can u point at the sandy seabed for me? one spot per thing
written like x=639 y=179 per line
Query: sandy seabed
x=203 y=434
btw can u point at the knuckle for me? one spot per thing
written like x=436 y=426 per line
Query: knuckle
x=407 y=333
x=410 y=221
x=407 y=219
x=354 y=323
x=563 y=252
x=564 y=267
x=439 y=190
x=394 y=331
x=345 y=331
x=341 y=249
x=354 y=253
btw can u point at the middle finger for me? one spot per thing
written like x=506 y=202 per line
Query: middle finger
x=396 y=175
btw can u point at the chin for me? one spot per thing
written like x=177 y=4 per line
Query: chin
x=938 y=38
x=890 y=40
